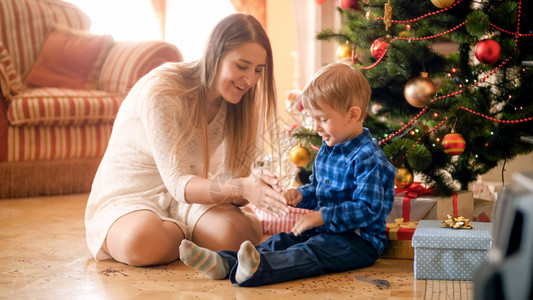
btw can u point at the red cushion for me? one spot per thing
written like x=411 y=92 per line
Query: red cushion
x=70 y=59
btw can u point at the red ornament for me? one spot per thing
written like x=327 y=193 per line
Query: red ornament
x=378 y=47
x=319 y=2
x=453 y=144
x=488 y=51
x=350 y=4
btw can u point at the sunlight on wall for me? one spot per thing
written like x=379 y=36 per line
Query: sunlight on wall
x=190 y=22
x=124 y=19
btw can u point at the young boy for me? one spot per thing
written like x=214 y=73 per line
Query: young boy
x=351 y=193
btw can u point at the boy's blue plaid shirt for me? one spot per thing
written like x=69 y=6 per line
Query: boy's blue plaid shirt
x=353 y=186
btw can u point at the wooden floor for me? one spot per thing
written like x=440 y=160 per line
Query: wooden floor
x=43 y=255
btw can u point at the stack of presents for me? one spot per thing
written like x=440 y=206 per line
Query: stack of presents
x=417 y=229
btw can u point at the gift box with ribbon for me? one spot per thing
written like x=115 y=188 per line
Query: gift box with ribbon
x=400 y=230
x=272 y=224
x=444 y=253
x=459 y=204
x=418 y=203
x=399 y=234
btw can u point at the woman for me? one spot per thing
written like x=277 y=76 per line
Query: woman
x=179 y=160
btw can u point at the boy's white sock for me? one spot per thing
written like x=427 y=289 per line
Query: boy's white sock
x=248 y=262
x=204 y=260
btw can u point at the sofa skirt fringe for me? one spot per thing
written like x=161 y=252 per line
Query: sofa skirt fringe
x=48 y=177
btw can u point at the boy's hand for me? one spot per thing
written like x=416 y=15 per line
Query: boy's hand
x=309 y=220
x=293 y=197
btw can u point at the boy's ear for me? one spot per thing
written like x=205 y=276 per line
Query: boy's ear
x=355 y=113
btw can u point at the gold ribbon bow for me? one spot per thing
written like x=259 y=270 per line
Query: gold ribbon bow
x=459 y=222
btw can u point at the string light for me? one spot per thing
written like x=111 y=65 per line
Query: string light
x=423 y=110
x=413 y=39
x=497 y=120
x=511 y=33
x=433 y=130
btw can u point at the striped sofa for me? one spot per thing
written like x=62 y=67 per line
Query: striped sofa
x=52 y=138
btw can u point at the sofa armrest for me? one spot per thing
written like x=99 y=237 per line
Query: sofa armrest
x=10 y=82
x=128 y=61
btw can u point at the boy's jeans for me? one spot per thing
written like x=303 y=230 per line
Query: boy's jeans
x=286 y=257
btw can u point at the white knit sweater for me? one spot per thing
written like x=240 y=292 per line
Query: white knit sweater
x=136 y=171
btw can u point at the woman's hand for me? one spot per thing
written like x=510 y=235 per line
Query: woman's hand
x=293 y=197
x=309 y=220
x=262 y=189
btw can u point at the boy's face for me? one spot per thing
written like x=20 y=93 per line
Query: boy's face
x=333 y=126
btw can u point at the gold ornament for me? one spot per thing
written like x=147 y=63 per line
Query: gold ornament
x=300 y=156
x=419 y=90
x=404 y=178
x=369 y=15
x=405 y=34
x=442 y=3
x=344 y=51
x=387 y=17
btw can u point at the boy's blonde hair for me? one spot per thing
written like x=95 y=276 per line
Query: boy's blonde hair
x=339 y=86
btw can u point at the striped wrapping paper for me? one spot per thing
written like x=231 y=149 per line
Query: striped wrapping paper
x=273 y=225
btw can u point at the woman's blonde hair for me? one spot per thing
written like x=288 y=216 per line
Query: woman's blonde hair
x=339 y=86
x=252 y=117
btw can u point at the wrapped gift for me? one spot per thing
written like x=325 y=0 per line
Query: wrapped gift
x=459 y=204
x=272 y=224
x=443 y=253
x=412 y=203
x=399 y=235
x=418 y=203
x=400 y=230
x=488 y=191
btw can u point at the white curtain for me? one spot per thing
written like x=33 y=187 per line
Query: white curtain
x=310 y=18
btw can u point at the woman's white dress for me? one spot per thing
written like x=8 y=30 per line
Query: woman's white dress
x=137 y=173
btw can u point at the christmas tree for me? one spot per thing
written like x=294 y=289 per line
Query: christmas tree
x=447 y=115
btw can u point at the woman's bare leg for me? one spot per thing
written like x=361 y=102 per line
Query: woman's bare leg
x=226 y=228
x=141 y=238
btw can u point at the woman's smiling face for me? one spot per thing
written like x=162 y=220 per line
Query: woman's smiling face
x=240 y=70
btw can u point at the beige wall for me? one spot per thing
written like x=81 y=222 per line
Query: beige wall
x=518 y=164
x=281 y=30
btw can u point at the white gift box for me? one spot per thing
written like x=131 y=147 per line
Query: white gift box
x=443 y=253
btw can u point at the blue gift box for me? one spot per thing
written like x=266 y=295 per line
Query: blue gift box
x=445 y=253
